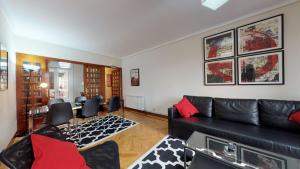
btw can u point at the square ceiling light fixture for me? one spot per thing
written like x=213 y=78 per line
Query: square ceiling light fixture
x=213 y=4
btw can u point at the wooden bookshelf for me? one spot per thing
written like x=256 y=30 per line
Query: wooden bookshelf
x=37 y=96
x=117 y=82
x=94 y=80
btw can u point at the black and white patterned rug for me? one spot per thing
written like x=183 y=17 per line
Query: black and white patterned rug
x=90 y=132
x=167 y=154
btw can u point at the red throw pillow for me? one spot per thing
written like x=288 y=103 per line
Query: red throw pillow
x=186 y=108
x=50 y=153
x=295 y=117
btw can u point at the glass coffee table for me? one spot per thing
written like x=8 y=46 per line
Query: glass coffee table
x=214 y=153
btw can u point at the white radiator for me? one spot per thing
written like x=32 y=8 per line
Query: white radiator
x=135 y=102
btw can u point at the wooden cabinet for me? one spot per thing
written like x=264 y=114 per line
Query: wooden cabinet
x=117 y=82
x=28 y=84
x=94 y=80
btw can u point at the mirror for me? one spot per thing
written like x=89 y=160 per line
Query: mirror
x=3 y=68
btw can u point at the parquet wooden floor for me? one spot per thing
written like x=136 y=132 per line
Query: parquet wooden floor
x=137 y=140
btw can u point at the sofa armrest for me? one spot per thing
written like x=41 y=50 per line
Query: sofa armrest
x=103 y=156
x=172 y=114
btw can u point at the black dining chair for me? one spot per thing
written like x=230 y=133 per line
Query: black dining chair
x=79 y=101
x=101 y=102
x=54 y=101
x=90 y=108
x=60 y=113
x=114 y=104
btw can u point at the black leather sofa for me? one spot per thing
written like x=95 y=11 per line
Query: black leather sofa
x=20 y=155
x=259 y=123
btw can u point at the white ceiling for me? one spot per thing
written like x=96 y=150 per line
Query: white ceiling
x=119 y=27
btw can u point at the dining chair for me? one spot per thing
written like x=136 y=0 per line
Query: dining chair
x=54 y=101
x=114 y=104
x=101 y=102
x=60 y=113
x=79 y=101
x=90 y=109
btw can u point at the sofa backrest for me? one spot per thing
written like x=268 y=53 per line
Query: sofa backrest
x=202 y=104
x=238 y=110
x=275 y=113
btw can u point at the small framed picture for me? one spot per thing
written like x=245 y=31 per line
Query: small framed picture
x=260 y=36
x=135 y=77
x=261 y=160
x=261 y=69
x=220 y=45
x=221 y=72
x=3 y=68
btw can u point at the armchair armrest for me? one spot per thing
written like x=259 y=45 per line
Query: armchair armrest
x=172 y=114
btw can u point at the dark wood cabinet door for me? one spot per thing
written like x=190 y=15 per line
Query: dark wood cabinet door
x=117 y=82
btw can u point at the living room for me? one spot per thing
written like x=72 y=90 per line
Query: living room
x=151 y=55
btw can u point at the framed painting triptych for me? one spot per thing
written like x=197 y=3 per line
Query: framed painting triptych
x=255 y=50
x=220 y=72
x=261 y=36
x=220 y=45
x=219 y=52
x=261 y=69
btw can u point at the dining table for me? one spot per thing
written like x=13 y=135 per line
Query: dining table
x=41 y=111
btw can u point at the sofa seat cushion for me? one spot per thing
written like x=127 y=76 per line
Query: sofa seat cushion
x=274 y=140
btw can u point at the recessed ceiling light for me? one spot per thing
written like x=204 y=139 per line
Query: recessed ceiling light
x=213 y=4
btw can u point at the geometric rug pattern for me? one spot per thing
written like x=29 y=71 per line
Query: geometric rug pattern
x=90 y=132
x=167 y=154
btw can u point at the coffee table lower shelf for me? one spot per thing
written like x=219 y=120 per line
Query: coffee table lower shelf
x=201 y=161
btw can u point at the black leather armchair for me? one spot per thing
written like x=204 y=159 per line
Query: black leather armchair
x=20 y=155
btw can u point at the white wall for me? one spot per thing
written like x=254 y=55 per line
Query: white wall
x=8 y=117
x=35 y=47
x=169 y=72
x=78 y=82
x=8 y=121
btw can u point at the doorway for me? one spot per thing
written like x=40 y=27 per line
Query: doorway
x=65 y=80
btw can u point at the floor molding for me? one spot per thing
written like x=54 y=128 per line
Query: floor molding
x=146 y=112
